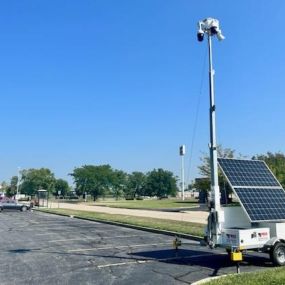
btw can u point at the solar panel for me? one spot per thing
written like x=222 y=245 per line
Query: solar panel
x=259 y=192
x=241 y=172
x=263 y=204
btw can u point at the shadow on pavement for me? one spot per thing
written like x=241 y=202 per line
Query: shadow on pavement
x=213 y=261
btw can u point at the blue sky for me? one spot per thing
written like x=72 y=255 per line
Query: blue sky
x=119 y=82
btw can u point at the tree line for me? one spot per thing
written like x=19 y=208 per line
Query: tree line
x=275 y=161
x=103 y=180
x=95 y=180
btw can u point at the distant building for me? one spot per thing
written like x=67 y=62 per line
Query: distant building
x=193 y=193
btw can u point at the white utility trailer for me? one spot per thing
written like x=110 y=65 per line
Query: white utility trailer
x=237 y=234
x=259 y=222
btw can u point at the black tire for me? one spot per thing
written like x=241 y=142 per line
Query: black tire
x=277 y=254
x=24 y=208
x=1 y=209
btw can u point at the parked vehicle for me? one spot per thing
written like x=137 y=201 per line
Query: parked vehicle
x=13 y=205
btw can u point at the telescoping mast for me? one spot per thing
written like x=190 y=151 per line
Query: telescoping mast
x=258 y=223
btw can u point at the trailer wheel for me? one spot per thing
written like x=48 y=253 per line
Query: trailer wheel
x=277 y=255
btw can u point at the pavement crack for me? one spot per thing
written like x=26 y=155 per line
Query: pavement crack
x=171 y=276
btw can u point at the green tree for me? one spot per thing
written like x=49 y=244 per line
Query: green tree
x=62 y=186
x=35 y=179
x=3 y=186
x=11 y=190
x=118 y=183
x=276 y=162
x=204 y=184
x=135 y=185
x=92 y=179
x=160 y=183
x=205 y=168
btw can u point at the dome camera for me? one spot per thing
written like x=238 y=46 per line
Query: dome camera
x=200 y=35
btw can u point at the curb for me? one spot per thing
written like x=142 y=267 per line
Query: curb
x=208 y=279
x=170 y=233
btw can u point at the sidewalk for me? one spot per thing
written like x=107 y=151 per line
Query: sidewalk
x=187 y=216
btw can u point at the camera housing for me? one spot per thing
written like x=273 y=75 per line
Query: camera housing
x=200 y=35
x=211 y=27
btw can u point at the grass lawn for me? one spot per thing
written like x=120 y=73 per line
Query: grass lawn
x=175 y=226
x=149 y=204
x=274 y=276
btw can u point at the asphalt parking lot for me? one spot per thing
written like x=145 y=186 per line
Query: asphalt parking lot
x=39 y=248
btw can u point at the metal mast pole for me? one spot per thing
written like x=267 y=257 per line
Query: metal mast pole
x=182 y=153
x=211 y=27
x=213 y=144
x=182 y=177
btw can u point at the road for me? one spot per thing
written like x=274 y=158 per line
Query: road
x=187 y=216
x=40 y=248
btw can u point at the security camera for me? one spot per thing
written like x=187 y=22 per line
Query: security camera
x=200 y=35
x=211 y=27
x=220 y=36
x=201 y=32
x=214 y=30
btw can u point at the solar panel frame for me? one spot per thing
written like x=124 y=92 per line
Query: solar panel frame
x=236 y=188
x=265 y=179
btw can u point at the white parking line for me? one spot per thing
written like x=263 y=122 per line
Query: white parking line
x=44 y=234
x=156 y=260
x=123 y=236
x=91 y=238
x=67 y=240
x=120 y=246
x=124 y=263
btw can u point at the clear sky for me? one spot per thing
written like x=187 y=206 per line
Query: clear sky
x=119 y=82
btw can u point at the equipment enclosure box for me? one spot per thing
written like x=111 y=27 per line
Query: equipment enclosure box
x=245 y=238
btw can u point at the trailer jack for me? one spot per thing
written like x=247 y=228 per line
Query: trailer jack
x=236 y=256
x=176 y=243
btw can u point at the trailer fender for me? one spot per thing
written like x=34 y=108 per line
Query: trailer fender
x=270 y=244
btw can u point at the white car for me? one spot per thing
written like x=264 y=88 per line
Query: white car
x=13 y=205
